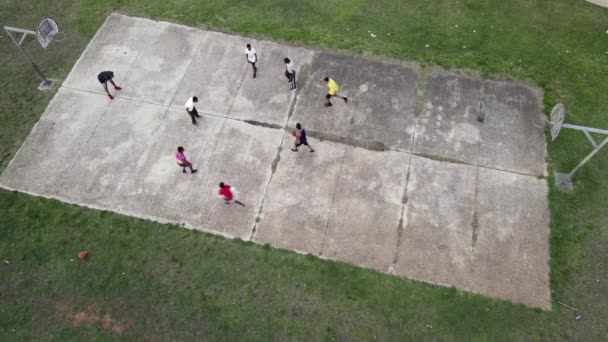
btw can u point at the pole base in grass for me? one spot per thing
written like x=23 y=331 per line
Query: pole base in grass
x=563 y=181
x=46 y=85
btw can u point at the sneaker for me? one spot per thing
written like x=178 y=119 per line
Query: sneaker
x=328 y=104
x=184 y=171
x=194 y=171
x=311 y=151
x=294 y=149
x=346 y=100
x=118 y=88
x=111 y=97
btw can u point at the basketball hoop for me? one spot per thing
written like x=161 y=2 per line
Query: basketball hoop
x=46 y=31
x=564 y=180
x=558 y=113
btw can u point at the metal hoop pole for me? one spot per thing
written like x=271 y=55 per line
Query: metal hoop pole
x=587 y=158
x=26 y=55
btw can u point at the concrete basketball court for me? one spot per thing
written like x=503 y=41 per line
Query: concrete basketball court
x=404 y=180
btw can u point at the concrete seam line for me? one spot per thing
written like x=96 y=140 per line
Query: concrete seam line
x=474 y=228
x=104 y=111
x=275 y=162
x=125 y=80
x=277 y=157
x=420 y=90
x=333 y=199
x=198 y=46
x=238 y=89
x=402 y=223
x=76 y=159
x=304 y=76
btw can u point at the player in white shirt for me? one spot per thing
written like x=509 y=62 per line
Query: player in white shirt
x=290 y=72
x=252 y=57
x=191 y=109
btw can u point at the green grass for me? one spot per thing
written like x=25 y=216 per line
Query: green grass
x=179 y=283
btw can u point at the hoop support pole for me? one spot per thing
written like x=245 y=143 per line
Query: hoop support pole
x=588 y=157
x=8 y=30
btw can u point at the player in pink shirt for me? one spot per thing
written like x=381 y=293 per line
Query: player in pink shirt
x=182 y=161
x=227 y=193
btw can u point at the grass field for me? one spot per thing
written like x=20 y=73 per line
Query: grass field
x=184 y=285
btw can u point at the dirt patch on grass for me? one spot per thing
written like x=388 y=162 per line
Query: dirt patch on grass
x=90 y=316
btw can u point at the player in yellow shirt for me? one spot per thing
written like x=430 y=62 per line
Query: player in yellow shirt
x=332 y=91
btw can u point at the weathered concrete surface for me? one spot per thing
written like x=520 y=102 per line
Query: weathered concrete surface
x=464 y=225
x=381 y=105
x=511 y=136
x=438 y=223
x=222 y=79
x=157 y=72
x=55 y=143
x=242 y=158
x=511 y=250
x=111 y=153
x=115 y=47
x=267 y=98
x=603 y=3
x=367 y=205
x=215 y=74
x=448 y=126
x=236 y=153
x=300 y=196
x=158 y=189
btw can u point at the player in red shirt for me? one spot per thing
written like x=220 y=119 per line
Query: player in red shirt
x=226 y=192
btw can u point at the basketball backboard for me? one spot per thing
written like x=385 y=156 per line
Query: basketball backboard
x=558 y=113
x=46 y=31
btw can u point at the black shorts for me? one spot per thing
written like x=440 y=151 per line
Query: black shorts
x=105 y=76
x=302 y=143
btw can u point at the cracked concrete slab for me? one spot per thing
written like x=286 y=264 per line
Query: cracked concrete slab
x=215 y=74
x=513 y=138
x=464 y=225
x=300 y=196
x=159 y=189
x=221 y=150
x=364 y=218
x=511 y=255
x=448 y=126
x=115 y=47
x=55 y=142
x=110 y=153
x=157 y=72
x=438 y=223
x=267 y=98
x=510 y=135
x=242 y=158
x=602 y=3
x=381 y=105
